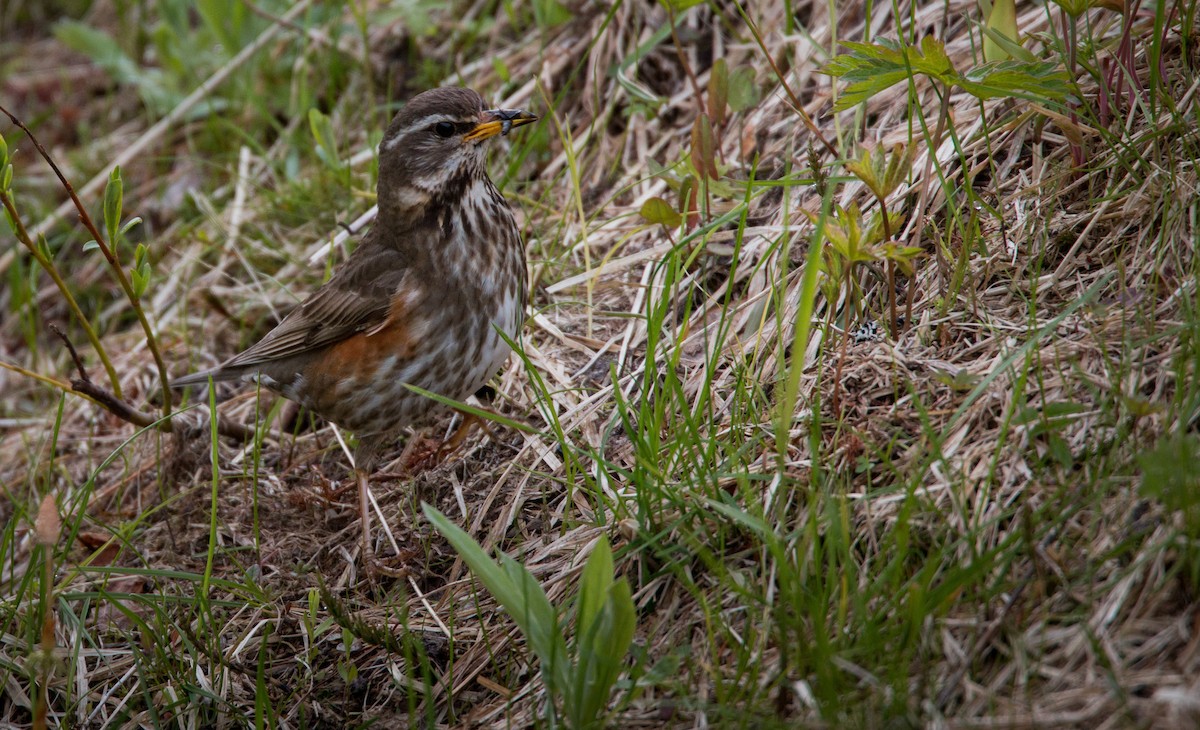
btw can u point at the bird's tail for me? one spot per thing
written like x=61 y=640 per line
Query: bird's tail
x=217 y=374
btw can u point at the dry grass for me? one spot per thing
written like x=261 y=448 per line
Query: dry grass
x=962 y=536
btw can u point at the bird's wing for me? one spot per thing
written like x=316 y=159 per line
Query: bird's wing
x=361 y=297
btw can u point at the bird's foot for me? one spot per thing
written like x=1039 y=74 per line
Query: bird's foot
x=425 y=454
x=395 y=566
x=422 y=454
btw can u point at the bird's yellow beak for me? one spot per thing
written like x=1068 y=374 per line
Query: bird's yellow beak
x=498 y=121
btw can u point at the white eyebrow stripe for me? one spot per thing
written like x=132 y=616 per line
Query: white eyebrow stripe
x=431 y=119
x=422 y=124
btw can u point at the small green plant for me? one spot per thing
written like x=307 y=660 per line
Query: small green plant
x=133 y=284
x=882 y=173
x=871 y=68
x=1170 y=475
x=702 y=172
x=579 y=677
x=41 y=253
x=851 y=240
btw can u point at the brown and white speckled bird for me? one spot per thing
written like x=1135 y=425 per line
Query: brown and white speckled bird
x=424 y=298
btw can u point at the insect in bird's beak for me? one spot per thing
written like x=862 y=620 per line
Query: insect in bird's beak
x=495 y=122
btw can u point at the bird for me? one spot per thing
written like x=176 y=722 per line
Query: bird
x=431 y=297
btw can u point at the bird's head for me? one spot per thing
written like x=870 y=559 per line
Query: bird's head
x=434 y=147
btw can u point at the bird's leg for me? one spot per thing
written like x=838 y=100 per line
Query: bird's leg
x=364 y=464
x=362 y=476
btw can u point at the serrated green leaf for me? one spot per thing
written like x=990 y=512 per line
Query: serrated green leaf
x=1043 y=82
x=871 y=68
x=904 y=256
x=881 y=171
x=657 y=210
x=865 y=169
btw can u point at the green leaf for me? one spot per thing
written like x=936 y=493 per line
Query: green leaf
x=904 y=256
x=3 y=151
x=515 y=589
x=91 y=245
x=1044 y=82
x=549 y=13
x=679 y=6
x=743 y=89
x=155 y=87
x=867 y=168
x=6 y=177
x=114 y=193
x=1013 y=48
x=130 y=224
x=1002 y=21
x=1171 y=472
x=657 y=210
x=594 y=584
x=602 y=646
x=140 y=280
x=871 y=68
x=501 y=69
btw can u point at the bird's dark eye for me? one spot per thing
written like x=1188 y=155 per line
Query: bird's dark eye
x=445 y=130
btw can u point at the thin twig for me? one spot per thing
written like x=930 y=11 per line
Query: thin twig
x=83 y=385
x=114 y=405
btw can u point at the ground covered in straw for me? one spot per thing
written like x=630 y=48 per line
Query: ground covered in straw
x=943 y=473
